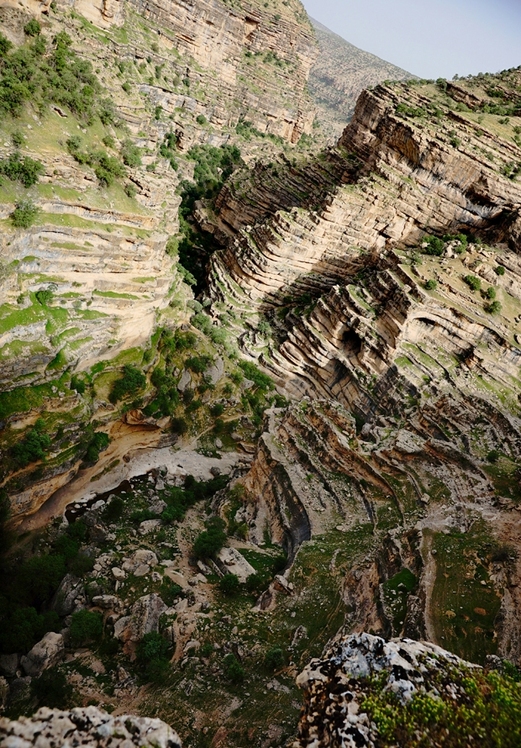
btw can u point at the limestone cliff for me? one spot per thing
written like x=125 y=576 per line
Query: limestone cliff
x=387 y=284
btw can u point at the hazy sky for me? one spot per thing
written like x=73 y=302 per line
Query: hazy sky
x=430 y=38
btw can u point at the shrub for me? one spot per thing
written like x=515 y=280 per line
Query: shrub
x=499 y=270
x=97 y=444
x=198 y=364
x=490 y=293
x=86 y=626
x=44 y=296
x=274 y=658
x=209 y=542
x=130 y=383
x=130 y=154
x=179 y=426
x=435 y=246
x=5 y=45
x=472 y=282
x=52 y=689
x=32 y=28
x=152 y=656
x=233 y=669
x=261 y=380
x=430 y=284
x=229 y=584
x=130 y=190
x=114 y=509
x=493 y=308
x=32 y=447
x=78 y=384
x=109 y=141
x=24 y=214
x=21 y=168
x=217 y=410
x=493 y=455
x=201 y=119
x=17 y=138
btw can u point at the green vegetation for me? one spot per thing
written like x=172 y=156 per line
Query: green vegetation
x=396 y=591
x=107 y=168
x=472 y=282
x=129 y=384
x=22 y=169
x=32 y=447
x=430 y=285
x=152 y=657
x=494 y=307
x=86 y=626
x=212 y=167
x=33 y=73
x=489 y=711
x=24 y=214
x=499 y=270
x=209 y=542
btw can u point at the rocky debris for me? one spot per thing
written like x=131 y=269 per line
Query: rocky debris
x=45 y=653
x=87 y=726
x=148 y=526
x=143 y=619
x=233 y=562
x=107 y=602
x=70 y=595
x=335 y=686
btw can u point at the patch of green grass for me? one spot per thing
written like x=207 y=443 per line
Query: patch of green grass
x=464 y=601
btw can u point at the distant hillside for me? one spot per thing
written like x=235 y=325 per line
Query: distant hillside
x=340 y=73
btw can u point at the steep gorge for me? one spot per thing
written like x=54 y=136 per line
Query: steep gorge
x=376 y=282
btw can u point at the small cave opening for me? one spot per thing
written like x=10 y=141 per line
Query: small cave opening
x=352 y=342
x=426 y=322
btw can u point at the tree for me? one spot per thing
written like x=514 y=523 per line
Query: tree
x=86 y=626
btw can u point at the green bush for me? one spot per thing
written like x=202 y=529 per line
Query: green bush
x=198 y=364
x=130 y=383
x=435 y=246
x=32 y=28
x=229 y=584
x=44 y=296
x=130 y=154
x=233 y=669
x=472 y=282
x=97 y=444
x=24 y=214
x=32 y=447
x=5 y=45
x=430 y=284
x=86 y=626
x=78 y=384
x=490 y=293
x=51 y=689
x=493 y=455
x=201 y=119
x=114 y=509
x=274 y=658
x=499 y=270
x=261 y=380
x=209 y=542
x=152 y=657
x=493 y=308
x=22 y=169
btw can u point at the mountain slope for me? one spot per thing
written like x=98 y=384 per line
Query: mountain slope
x=340 y=73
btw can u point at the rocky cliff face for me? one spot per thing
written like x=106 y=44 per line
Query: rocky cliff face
x=85 y=287
x=368 y=308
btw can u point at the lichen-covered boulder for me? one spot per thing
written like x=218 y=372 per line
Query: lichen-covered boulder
x=370 y=693
x=87 y=726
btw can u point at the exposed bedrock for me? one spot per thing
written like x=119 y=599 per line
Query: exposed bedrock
x=400 y=178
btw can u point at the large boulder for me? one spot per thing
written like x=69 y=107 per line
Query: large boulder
x=70 y=596
x=88 y=726
x=143 y=619
x=46 y=653
x=361 y=670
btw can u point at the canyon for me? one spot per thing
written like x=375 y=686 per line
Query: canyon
x=260 y=390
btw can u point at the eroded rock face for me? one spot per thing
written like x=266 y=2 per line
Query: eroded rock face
x=88 y=726
x=335 y=688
